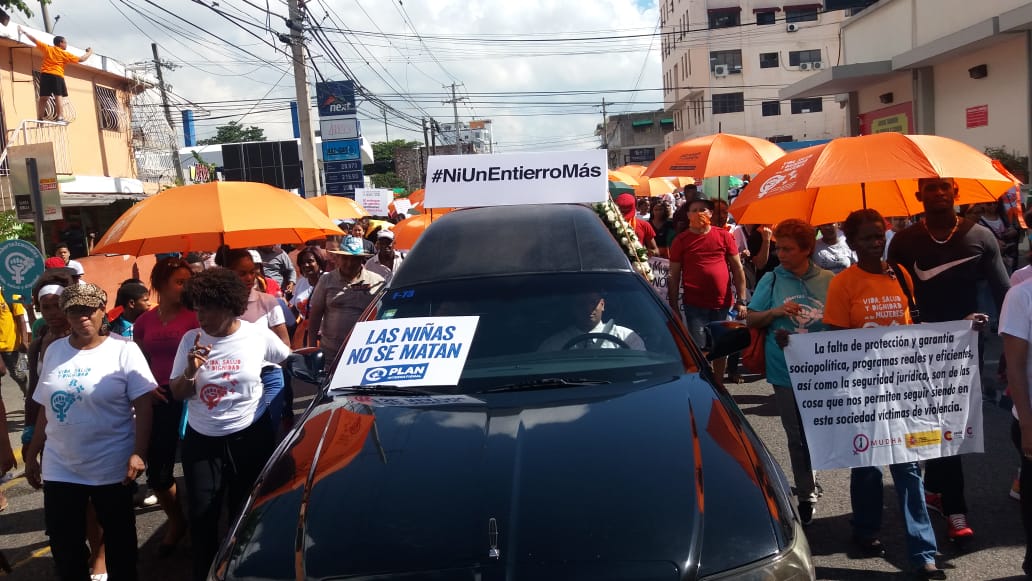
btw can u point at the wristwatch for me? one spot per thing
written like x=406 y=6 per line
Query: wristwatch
x=740 y=303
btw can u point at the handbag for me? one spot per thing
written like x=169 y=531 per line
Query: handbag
x=754 y=357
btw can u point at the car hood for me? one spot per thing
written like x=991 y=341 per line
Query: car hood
x=655 y=480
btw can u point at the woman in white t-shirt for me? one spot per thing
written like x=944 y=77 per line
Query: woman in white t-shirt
x=218 y=371
x=90 y=386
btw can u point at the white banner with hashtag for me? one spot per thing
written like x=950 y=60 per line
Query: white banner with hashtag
x=508 y=179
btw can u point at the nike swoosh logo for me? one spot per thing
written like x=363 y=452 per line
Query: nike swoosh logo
x=934 y=272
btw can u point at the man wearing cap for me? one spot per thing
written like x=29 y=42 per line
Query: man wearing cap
x=646 y=234
x=705 y=259
x=946 y=256
x=386 y=260
x=341 y=295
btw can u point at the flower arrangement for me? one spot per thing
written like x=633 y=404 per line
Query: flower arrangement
x=624 y=234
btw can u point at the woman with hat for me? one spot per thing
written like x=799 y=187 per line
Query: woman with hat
x=341 y=295
x=91 y=387
x=218 y=371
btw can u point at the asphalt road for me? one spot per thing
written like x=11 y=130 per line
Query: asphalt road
x=995 y=553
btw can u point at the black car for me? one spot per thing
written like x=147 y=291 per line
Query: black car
x=565 y=452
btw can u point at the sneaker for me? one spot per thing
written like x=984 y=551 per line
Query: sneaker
x=149 y=500
x=958 y=528
x=806 y=512
x=933 y=500
x=1015 y=489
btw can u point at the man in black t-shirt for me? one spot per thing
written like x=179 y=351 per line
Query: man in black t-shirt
x=946 y=256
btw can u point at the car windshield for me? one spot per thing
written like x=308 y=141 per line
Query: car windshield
x=551 y=329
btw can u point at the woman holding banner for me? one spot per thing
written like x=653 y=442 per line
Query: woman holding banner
x=865 y=295
x=790 y=299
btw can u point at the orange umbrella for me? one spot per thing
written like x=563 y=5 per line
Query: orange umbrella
x=633 y=170
x=417 y=196
x=653 y=187
x=338 y=207
x=824 y=183
x=722 y=154
x=409 y=230
x=619 y=176
x=205 y=216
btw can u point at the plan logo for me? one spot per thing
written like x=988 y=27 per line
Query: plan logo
x=394 y=373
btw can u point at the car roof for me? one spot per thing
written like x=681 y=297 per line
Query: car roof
x=511 y=240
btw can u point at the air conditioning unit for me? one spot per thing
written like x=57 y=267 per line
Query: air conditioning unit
x=792 y=27
x=805 y=66
x=719 y=70
x=817 y=66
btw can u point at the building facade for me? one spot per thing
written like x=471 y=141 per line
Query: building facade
x=635 y=137
x=724 y=62
x=938 y=68
x=93 y=152
x=475 y=136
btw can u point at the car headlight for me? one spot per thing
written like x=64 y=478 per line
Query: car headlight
x=793 y=564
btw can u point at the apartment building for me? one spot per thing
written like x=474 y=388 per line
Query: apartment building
x=724 y=63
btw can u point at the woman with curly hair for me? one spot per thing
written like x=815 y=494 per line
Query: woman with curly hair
x=217 y=370
x=790 y=299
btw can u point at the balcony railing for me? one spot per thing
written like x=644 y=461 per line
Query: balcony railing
x=28 y=132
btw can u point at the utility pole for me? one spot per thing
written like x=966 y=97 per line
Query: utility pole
x=386 y=137
x=605 y=126
x=455 y=109
x=48 y=26
x=180 y=180
x=313 y=186
x=433 y=137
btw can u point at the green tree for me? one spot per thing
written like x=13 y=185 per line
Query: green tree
x=233 y=132
x=12 y=228
x=383 y=151
x=19 y=5
x=389 y=180
x=1016 y=164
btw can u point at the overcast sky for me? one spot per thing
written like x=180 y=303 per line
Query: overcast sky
x=463 y=41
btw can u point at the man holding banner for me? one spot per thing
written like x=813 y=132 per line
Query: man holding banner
x=947 y=256
x=871 y=294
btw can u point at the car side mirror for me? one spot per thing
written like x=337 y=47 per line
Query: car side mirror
x=307 y=364
x=725 y=337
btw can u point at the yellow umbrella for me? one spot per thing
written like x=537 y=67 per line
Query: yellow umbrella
x=619 y=176
x=653 y=187
x=632 y=170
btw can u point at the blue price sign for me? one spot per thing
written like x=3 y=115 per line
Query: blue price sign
x=344 y=176
x=342 y=150
x=346 y=189
x=335 y=98
x=20 y=265
x=339 y=166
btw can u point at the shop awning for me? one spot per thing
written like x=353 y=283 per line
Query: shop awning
x=764 y=10
x=641 y=123
x=99 y=190
x=838 y=79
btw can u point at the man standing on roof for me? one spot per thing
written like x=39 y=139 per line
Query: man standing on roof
x=51 y=72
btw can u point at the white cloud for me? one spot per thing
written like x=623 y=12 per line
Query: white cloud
x=481 y=68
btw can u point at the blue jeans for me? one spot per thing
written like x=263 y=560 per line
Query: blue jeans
x=272 y=394
x=865 y=494
x=695 y=318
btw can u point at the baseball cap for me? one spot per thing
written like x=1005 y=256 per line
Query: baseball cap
x=83 y=295
x=77 y=267
x=385 y=234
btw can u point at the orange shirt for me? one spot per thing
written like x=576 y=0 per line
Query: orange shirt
x=54 y=59
x=857 y=298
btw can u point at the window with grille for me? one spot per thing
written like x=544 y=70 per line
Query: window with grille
x=724 y=18
x=769 y=60
x=111 y=113
x=728 y=103
x=732 y=59
x=801 y=13
x=763 y=18
x=811 y=105
x=771 y=108
x=796 y=57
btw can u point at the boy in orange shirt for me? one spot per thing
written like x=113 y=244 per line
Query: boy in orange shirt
x=51 y=75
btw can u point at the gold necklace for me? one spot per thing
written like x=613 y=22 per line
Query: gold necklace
x=956 y=224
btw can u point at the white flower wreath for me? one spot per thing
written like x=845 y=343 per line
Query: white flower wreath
x=625 y=236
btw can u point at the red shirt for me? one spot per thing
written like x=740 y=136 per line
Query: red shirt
x=704 y=271
x=643 y=230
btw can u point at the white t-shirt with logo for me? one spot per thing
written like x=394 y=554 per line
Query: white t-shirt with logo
x=229 y=385
x=1016 y=321
x=87 y=395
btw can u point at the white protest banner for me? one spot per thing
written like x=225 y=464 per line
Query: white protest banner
x=660 y=274
x=507 y=179
x=402 y=206
x=406 y=352
x=885 y=395
x=374 y=200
